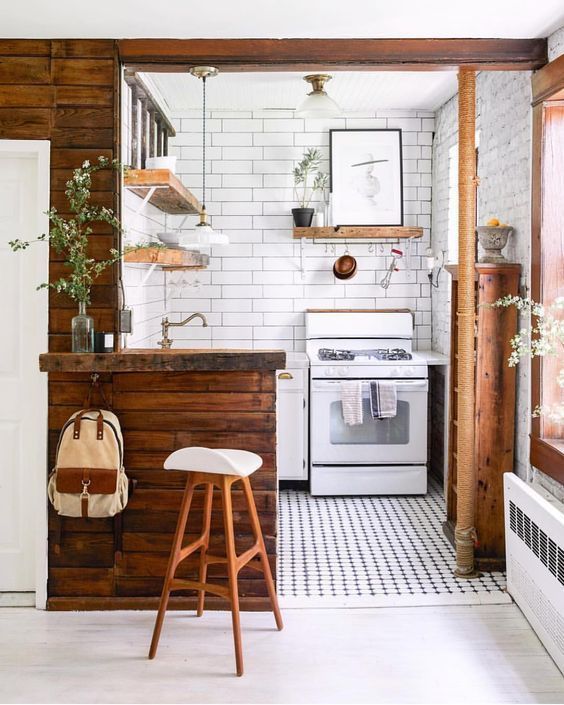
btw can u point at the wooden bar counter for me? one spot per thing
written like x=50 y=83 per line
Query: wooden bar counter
x=164 y=400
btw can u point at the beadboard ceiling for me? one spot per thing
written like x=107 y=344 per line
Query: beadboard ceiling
x=354 y=91
x=273 y=18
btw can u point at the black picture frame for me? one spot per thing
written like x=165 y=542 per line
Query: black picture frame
x=336 y=183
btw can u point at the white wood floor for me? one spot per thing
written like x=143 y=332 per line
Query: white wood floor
x=472 y=654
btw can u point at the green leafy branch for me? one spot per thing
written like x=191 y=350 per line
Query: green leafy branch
x=69 y=236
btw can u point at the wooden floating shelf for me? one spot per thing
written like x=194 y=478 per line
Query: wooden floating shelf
x=361 y=232
x=168 y=258
x=168 y=193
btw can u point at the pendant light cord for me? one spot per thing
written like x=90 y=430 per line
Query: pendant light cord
x=204 y=144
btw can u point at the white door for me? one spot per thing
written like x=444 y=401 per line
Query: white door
x=24 y=178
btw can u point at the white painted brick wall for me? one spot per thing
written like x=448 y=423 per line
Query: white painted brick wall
x=504 y=168
x=556 y=44
x=446 y=136
x=254 y=286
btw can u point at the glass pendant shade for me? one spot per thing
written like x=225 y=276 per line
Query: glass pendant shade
x=203 y=235
x=317 y=103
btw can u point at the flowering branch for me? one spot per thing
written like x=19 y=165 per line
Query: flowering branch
x=544 y=337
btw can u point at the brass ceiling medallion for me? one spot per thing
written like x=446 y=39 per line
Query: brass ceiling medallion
x=318 y=81
x=204 y=71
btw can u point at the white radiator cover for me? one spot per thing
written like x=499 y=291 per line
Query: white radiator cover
x=534 y=537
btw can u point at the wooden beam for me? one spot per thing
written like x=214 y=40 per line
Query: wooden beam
x=337 y=54
x=548 y=83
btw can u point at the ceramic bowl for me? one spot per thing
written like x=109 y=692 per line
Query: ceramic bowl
x=169 y=238
x=161 y=163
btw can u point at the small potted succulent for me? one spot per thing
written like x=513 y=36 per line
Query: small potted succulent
x=70 y=236
x=308 y=180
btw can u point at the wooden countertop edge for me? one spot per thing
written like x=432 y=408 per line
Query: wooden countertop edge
x=164 y=361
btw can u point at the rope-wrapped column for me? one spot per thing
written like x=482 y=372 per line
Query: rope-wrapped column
x=465 y=533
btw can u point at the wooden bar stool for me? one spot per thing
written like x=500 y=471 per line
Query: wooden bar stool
x=215 y=468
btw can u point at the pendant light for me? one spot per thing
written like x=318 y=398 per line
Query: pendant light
x=203 y=234
x=318 y=103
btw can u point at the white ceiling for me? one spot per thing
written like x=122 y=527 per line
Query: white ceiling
x=354 y=91
x=281 y=18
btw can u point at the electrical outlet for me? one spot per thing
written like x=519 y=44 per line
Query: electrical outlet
x=126 y=321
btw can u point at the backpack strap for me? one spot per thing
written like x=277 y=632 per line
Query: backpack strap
x=95 y=384
x=99 y=424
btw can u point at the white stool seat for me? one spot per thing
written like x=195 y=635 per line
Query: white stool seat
x=218 y=461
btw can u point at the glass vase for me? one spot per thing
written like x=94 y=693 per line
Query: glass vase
x=82 y=331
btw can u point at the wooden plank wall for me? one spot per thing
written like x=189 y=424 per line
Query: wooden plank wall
x=66 y=91
x=159 y=413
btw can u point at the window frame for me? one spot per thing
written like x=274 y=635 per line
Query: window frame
x=546 y=454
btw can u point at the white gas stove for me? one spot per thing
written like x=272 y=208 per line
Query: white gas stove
x=377 y=456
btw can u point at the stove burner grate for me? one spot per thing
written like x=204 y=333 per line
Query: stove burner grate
x=378 y=354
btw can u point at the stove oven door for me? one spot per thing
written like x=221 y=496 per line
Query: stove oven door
x=402 y=439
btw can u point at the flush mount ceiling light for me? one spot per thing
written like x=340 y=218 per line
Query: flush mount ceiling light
x=203 y=234
x=318 y=103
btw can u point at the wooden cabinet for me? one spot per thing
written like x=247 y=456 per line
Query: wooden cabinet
x=494 y=425
x=292 y=423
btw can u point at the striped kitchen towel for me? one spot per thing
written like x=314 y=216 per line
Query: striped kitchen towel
x=383 y=399
x=351 y=401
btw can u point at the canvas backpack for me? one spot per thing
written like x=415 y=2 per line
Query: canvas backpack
x=89 y=479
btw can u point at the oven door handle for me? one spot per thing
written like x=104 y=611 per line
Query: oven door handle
x=401 y=386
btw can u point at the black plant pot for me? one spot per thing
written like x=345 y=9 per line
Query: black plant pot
x=302 y=217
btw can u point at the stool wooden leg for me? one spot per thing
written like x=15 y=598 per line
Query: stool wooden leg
x=232 y=569
x=172 y=563
x=208 y=501
x=257 y=531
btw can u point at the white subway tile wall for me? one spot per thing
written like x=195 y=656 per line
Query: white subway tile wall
x=255 y=286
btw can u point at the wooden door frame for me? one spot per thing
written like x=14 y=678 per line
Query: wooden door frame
x=335 y=54
x=547 y=86
x=41 y=150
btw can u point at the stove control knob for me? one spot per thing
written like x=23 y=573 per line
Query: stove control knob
x=394 y=372
x=342 y=371
x=409 y=371
x=329 y=371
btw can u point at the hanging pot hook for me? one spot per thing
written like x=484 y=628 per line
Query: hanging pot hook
x=347 y=248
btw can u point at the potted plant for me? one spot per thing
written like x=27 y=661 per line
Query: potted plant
x=544 y=336
x=307 y=168
x=70 y=236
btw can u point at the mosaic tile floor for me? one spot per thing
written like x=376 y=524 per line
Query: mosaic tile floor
x=385 y=547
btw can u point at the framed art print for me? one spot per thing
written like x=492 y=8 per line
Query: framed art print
x=366 y=177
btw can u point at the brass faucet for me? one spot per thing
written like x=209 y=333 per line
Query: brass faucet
x=166 y=342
